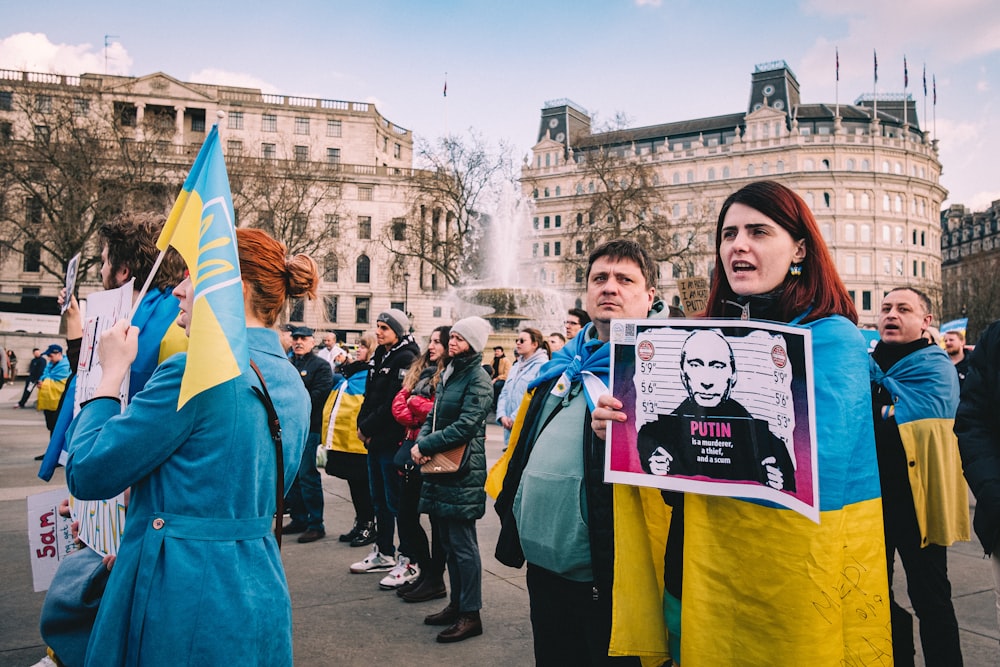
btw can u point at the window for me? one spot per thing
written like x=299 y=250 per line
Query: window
x=897 y=204
x=362 y=304
x=886 y=203
x=534 y=222
x=826 y=199
x=849 y=200
x=333 y=156
x=690 y=176
x=436 y=312
x=235 y=120
x=364 y=227
x=557 y=248
x=866 y=201
x=826 y=230
x=849 y=233
x=331 y=267
x=268 y=151
x=364 y=193
x=866 y=300
x=885 y=166
x=849 y=265
x=397 y=151
x=558 y=221
x=42 y=134
x=711 y=173
x=330 y=307
x=301 y=153
x=534 y=250
x=33 y=210
x=850 y=167
x=886 y=266
x=298 y=310
x=808 y=164
x=866 y=233
x=32 y=257
x=268 y=122
x=363 y=270
x=750 y=170
x=825 y=163
x=558 y=191
x=6 y=100
x=865 y=265
x=234 y=148
x=81 y=106
x=332 y=223
x=900 y=235
x=914 y=268
x=725 y=172
x=6 y=131
x=545 y=224
x=545 y=249
x=43 y=103
x=198 y=121
x=579 y=247
x=333 y=128
x=579 y=274
x=899 y=267
x=546 y=192
x=301 y=125
x=398 y=229
x=866 y=165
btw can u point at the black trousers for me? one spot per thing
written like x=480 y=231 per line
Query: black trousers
x=569 y=626
x=412 y=536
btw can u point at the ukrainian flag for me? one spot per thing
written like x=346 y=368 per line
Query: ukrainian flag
x=202 y=228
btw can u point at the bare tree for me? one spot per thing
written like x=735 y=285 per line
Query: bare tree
x=621 y=196
x=296 y=201
x=457 y=177
x=65 y=168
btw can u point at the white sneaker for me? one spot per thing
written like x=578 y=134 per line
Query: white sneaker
x=375 y=561
x=403 y=572
x=45 y=662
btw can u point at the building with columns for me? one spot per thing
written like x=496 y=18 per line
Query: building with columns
x=353 y=167
x=868 y=171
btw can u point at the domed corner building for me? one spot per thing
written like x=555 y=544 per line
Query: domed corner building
x=868 y=171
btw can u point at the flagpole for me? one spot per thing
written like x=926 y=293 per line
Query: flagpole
x=446 y=104
x=875 y=89
x=906 y=83
x=836 y=89
x=145 y=288
x=925 y=92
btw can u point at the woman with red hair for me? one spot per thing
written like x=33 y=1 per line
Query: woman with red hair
x=775 y=579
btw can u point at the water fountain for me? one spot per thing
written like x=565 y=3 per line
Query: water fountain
x=498 y=296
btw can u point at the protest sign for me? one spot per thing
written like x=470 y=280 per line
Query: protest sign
x=49 y=536
x=718 y=407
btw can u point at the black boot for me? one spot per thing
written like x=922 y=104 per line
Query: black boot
x=366 y=535
x=446 y=616
x=468 y=624
x=430 y=588
x=348 y=536
x=409 y=585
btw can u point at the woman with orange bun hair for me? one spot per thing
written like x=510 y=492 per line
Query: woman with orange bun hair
x=198 y=578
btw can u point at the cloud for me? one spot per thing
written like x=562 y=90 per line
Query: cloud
x=648 y=3
x=221 y=77
x=982 y=200
x=33 y=52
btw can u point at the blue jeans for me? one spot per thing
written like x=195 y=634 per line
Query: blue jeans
x=465 y=570
x=305 y=497
x=385 y=484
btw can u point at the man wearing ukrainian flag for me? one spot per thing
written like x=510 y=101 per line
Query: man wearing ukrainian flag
x=924 y=498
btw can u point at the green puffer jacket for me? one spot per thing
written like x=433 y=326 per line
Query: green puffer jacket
x=463 y=399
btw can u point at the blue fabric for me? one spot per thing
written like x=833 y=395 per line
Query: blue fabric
x=583 y=353
x=56 y=371
x=923 y=385
x=305 y=498
x=215 y=595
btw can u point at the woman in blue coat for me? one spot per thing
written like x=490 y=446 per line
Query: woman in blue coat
x=198 y=578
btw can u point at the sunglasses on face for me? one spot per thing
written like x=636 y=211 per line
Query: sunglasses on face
x=299 y=337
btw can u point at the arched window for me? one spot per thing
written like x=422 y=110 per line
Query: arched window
x=750 y=170
x=849 y=232
x=810 y=201
x=866 y=165
x=364 y=267
x=725 y=172
x=826 y=164
x=866 y=201
x=826 y=199
x=677 y=178
x=780 y=168
x=897 y=204
x=849 y=200
x=850 y=164
x=808 y=164
x=330 y=268
x=711 y=173
x=690 y=176
x=558 y=191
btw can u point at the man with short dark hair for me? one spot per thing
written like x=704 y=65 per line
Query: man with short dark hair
x=556 y=341
x=35 y=368
x=555 y=510
x=924 y=498
x=305 y=497
x=576 y=319
x=56 y=371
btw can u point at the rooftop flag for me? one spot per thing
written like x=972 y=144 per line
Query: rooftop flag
x=202 y=228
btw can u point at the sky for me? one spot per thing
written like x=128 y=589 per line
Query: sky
x=655 y=61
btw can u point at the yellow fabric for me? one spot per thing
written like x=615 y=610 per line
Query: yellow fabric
x=641 y=523
x=49 y=393
x=940 y=494
x=494 y=480
x=344 y=436
x=762 y=586
x=174 y=341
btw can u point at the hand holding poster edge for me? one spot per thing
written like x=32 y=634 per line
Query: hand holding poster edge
x=631 y=373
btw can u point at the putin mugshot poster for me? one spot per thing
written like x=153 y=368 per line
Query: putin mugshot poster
x=717 y=407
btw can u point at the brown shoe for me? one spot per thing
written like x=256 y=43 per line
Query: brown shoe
x=467 y=625
x=446 y=616
x=426 y=590
x=311 y=536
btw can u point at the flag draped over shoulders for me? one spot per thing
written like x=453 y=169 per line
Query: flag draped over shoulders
x=924 y=389
x=762 y=584
x=202 y=227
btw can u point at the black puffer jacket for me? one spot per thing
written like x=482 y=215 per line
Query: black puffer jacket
x=599 y=496
x=318 y=379
x=977 y=426
x=463 y=399
x=385 y=379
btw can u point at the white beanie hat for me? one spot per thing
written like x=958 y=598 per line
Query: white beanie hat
x=474 y=330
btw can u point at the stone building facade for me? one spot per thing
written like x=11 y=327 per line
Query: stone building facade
x=872 y=178
x=970 y=260
x=355 y=163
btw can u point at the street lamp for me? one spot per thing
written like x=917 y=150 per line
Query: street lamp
x=406 y=293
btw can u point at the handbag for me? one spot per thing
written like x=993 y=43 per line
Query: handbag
x=452 y=460
x=403 y=459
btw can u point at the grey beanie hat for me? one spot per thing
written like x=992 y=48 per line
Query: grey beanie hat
x=396 y=320
x=475 y=331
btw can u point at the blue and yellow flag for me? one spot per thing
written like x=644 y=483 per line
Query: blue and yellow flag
x=202 y=227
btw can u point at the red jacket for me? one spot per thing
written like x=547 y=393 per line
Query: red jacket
x=411 y=412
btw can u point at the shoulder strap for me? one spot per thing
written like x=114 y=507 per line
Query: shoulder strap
x=274 y=424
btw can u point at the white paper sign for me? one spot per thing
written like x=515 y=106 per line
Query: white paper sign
x=49 y=536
